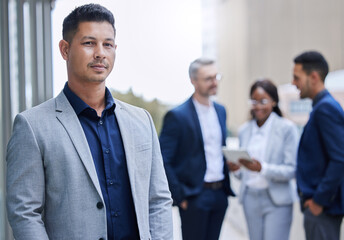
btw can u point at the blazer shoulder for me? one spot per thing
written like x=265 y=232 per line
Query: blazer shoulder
x=42 y=109
x=182 y=110
x=244 y=127
x=284 y=122
x=328 y=104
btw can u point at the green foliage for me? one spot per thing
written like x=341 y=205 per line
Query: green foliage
x=154 y=107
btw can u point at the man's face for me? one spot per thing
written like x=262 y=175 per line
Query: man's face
x=91 y=54
x=302 y=81
x=206 y=81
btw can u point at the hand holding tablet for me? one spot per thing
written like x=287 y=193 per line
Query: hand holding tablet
x=233 y=156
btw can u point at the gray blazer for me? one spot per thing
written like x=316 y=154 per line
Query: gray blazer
x=52 y=184
x=280 y=157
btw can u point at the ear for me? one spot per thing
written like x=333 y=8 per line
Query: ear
x=315 y=77
x=64 y=49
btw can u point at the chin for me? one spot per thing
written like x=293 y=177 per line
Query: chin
x=97 y=80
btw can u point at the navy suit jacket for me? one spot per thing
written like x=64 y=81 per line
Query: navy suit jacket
x=320 y=163
x=183 y=153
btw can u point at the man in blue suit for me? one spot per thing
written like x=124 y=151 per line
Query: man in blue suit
x=191 y=141
x=320 y=162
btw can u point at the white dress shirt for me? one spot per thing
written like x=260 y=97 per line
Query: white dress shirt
x=212 y=139
x=257 y=148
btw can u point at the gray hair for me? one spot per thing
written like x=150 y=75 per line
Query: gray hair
x=197 y=64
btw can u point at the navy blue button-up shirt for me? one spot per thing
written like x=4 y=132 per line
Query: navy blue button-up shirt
x=105 y=141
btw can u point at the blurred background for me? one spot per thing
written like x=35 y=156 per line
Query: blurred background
x=157 y=40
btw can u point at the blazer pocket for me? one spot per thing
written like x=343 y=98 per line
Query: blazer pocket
x=143 y=147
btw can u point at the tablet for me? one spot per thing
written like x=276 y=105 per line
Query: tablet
x=233 y=155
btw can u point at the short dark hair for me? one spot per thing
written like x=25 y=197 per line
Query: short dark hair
x=85 y=13
x=313 y=61
x=197 y=64
x=271 y=89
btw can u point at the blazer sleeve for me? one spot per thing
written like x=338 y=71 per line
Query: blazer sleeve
x=169 y=140
x=330 y=122
x=160 y=202
x=25 y=183
x=285 y=170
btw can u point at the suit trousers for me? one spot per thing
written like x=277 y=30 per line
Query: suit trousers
x=322 y=227
x=265 y=220
x=202 y=220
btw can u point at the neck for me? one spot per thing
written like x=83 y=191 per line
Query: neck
x=317 y=90
x=92 y=93
x=201 y=99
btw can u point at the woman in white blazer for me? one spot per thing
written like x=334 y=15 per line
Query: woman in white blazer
x=267 y=190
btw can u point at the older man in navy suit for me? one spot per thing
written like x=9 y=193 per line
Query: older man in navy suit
x=320 y=162
x=191 y=141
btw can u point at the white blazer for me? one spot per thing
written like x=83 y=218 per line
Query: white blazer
x=280 y=158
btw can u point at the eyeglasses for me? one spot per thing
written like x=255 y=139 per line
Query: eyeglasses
x=261 y=102
x=216 y=77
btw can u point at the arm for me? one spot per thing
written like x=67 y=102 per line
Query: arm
x=286 y=170
x=331 y=126
x=169 y=143
x=25 y=183
x=160 y=202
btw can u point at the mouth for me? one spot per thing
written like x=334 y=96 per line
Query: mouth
x=98 y=67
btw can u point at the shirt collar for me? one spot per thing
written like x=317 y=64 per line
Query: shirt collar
x=265 y=128
x=202 y=108
x=319 y=96
x=79 y=105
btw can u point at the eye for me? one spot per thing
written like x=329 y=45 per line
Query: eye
x=110 y=45
x=265 y=101
x=89 y=43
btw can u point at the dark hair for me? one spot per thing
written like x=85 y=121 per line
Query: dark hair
x=313 y=61
x=270 y=89
x=85 y=13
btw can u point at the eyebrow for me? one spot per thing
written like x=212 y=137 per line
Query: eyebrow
x=93 y=38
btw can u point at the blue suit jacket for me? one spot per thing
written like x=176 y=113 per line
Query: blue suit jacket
x=183 y=150
x=320 y=163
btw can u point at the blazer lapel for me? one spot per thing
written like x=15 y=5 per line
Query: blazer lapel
x=246 y=135
x=125 y=127
x=66 y=115
x=273 y=134
x=195 y=120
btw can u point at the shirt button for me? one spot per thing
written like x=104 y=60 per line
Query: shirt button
x=107 y=151
x=100 y=205
x=100 y=122
x=111 y=182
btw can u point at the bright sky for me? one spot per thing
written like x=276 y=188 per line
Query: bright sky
x=157 y=40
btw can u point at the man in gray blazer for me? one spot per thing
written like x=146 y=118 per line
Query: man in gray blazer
x=84 y=165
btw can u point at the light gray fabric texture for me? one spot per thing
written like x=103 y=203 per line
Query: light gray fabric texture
x=52 y=184
x=265 y=220
x=280 y=160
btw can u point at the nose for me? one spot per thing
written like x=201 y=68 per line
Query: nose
x=99 y=52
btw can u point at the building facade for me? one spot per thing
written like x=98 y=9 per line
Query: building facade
x=260 y=38
x=25 y=71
